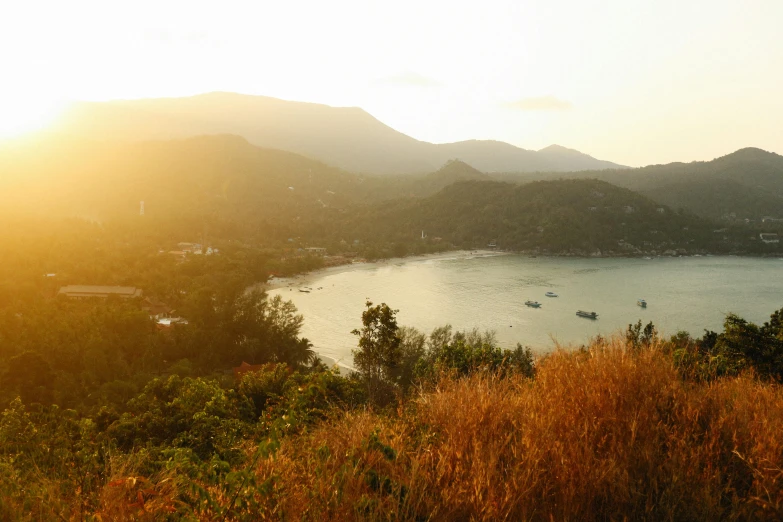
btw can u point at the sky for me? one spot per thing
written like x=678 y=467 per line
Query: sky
x=636 y=82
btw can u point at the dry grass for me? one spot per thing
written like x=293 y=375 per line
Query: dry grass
x=129 y=497
x=608 y=434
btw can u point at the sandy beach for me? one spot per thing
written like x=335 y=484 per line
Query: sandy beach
x=308 y=279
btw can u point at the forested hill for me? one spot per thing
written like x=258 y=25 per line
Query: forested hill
x=747 y=183
x=564 y=216
x=224 y=187
x=208 y=175
x=178 y=177
x=346 y=137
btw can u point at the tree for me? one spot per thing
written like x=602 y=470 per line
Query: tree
x=745 y=344
x=413 y=347
x=638 y=337
x=31 y=376
x=378 y=357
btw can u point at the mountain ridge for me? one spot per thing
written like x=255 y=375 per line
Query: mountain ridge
x=345 y=137
x=744 y=184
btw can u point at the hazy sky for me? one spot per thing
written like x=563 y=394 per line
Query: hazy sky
x=632 y=81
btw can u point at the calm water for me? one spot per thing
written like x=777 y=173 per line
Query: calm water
x=689 y=293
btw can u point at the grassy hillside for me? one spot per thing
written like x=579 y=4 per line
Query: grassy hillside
x=607 y=433
x=601 y=435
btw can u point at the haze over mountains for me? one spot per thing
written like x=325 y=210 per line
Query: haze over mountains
x=345 y=137
x=747 y=183
x=305 y=157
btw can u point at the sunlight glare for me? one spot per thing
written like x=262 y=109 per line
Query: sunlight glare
x=19 y=117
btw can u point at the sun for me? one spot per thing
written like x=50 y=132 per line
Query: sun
x=18 y=117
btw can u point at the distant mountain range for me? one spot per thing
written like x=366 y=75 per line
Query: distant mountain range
x=345 y=137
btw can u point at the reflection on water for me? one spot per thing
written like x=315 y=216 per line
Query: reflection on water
x=489 y=293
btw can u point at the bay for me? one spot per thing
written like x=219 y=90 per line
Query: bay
x=488 y=292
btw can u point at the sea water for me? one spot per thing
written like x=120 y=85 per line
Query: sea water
x=489 y=292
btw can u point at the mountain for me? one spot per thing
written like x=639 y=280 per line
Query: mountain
x=746 y=184
x=566 y=159
x=579 y=217
x=225 y=187
x=66 y=175
x=206 y=175
x=345 y=137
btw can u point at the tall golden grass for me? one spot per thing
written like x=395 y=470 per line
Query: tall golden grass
x=609 y=434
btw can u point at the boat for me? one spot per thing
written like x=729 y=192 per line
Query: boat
x=642 y=303
x=587 y=315
x=534 y=304
x=551 y=294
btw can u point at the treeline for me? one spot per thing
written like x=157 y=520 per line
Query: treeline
x=187 y=442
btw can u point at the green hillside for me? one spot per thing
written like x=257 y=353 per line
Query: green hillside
x=747 y=184
x=564 y=216
x=222 y=186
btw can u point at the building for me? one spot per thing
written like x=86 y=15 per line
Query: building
x=166 y=322
x=86 y=291
x=769 y=238
x=244 y=368
x=156 y=309
x=316 y=250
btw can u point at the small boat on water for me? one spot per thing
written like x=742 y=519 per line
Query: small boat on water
x=642 y=303
x=534 y=304
x=551 y=294
x=587 y=315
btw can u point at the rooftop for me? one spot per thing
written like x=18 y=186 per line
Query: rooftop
x=125 y=292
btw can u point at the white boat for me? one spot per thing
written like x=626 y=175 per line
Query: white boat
x=642 y=303
x=551 y=294
x=587 y=315
x=534 y=304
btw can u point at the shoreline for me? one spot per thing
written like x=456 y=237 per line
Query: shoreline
x=305 y=278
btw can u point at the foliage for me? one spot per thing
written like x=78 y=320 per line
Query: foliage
x=378 y=358
x=637 y=338
x=741 y=346
x=464 y=353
